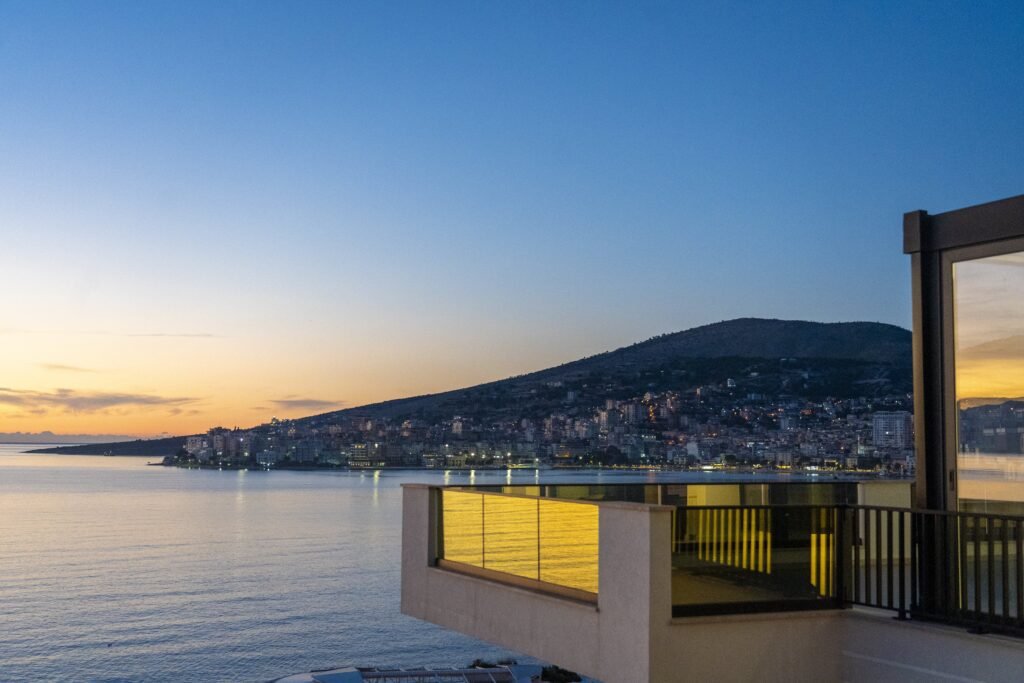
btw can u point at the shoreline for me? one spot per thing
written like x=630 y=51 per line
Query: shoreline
x=822 y=475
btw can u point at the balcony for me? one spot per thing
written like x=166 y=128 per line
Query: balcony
x=780 y=581
x=661 y=582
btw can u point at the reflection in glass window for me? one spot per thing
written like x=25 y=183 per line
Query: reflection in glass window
x=988 y=296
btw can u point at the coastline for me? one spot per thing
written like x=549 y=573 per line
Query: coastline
x=139 y=447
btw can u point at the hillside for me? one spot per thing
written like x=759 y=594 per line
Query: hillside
x=770 y=357
x=847 y=359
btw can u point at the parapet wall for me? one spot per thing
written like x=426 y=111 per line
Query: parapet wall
x=629 y=636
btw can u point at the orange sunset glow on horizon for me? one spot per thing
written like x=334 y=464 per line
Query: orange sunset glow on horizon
x=144 y=383
x=989 y=333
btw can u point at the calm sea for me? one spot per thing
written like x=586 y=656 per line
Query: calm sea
x=112 y=570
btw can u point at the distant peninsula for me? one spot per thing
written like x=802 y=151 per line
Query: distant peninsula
x=146 y=447
x=49 y=438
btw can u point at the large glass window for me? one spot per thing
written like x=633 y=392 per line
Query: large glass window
x=988 y=299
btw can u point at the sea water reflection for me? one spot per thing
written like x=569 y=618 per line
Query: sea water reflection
x=114 y=571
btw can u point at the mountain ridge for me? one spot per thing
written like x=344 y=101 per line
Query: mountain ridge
x=740 y=337
x=843 y=356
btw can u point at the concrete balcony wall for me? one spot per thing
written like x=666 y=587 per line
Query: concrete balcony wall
x=635 y=588
x=853 y=646
x=525 y=620
x=788 y=646
x=630 y=636
x=609 y=641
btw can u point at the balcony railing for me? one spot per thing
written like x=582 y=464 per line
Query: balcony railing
x=729 y=559
x=553 y=543
x=959 y=568
x=982 y=586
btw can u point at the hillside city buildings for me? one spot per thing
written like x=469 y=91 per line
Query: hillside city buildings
x=713 y=426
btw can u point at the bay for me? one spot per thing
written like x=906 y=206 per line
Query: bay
x=113 y=570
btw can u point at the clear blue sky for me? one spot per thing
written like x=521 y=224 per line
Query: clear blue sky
x=437 y=193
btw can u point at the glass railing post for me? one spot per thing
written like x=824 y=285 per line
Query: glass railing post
x=437 y=509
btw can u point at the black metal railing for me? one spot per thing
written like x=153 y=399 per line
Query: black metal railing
x=985 y=583
x=879 y=559
x=961 y=568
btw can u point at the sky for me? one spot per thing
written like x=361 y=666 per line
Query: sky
x=989 y=333
x=215 y=213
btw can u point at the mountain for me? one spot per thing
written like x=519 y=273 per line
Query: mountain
x=846 y=359
x=761 y=338
x=1005 y=349
x=981 y=402
x=768 y=357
